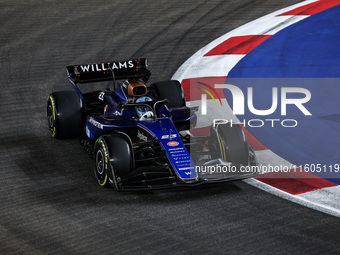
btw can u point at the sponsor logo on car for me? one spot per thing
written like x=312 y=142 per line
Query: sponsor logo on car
x=96 y=123
x=172 y=144
x=103 y=67
x=142 y=136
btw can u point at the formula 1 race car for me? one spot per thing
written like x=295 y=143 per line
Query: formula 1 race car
x=139 y=135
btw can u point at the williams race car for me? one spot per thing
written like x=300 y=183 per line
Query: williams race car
x=138 y=135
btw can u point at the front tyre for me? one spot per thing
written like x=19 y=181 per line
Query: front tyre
x=232 y=143
x=113 y=159
x=101 y=162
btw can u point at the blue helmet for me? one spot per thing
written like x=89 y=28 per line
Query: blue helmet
x=141 y=110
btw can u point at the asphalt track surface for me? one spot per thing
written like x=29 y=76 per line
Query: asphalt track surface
x=50 y=201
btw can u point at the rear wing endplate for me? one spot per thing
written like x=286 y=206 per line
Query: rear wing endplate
x=115 y=70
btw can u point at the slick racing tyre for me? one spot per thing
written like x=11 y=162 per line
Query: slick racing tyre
x=65 y=114
x=113 y=159
x=252 y=156
x=172 y=91
x=232 y=143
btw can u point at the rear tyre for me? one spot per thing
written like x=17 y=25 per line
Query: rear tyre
x=172 y=91
x=65 y=114
x=232 y=143
x=113 y=159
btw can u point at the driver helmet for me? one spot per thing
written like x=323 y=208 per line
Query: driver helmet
x=141 y=110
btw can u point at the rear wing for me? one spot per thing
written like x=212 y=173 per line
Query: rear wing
x=115 y=70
